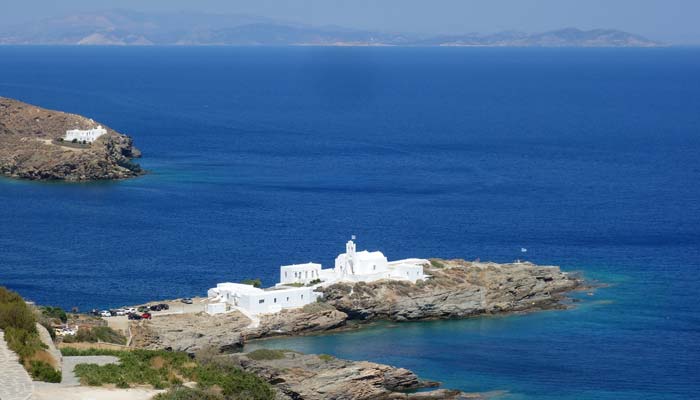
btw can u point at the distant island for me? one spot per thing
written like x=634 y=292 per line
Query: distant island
x=126 y=28
x=41 y=144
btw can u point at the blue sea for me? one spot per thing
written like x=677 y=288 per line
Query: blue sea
x=258 y=157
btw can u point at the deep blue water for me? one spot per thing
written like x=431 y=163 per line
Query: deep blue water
x=259 y=157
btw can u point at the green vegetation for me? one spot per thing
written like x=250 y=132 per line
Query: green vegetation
x=69 y=352
x=326 y=357
x=54 y=313
x=163 y=369
x=185 y=393
x=254 y=282
x=266 y=354
x=18 y=322
x=436 y=263
x=96 y=334
x=42 y=371
x=314 y=282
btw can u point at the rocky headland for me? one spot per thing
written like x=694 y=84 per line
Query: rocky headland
x=455 y=289
x=30 y=147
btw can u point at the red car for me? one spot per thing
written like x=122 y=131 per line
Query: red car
x=146 y=315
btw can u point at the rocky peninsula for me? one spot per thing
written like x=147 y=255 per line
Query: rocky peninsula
x=455 y=289
x=30 y=147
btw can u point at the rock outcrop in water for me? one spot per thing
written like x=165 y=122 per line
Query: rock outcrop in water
x=29 y=148
x=456 y=289
x=314 y=377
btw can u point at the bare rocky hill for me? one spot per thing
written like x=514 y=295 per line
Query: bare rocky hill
x=29 y=148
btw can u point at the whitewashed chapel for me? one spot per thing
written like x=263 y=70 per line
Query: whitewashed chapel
x=298 y=281
x=84 y=135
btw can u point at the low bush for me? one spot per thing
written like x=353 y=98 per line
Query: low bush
x=436 y=263
x=254 y=282
x=185 y=393
x=96 y=334
x=44 y=372
x=55 y=313
x=326 y=357
x=162 y=369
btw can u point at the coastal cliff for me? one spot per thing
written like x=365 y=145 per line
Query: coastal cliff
x=30 y=147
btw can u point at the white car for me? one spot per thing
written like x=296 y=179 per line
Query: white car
x=105 y=313
x=131 y=310
x=120 y=312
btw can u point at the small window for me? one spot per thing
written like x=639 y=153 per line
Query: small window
x=302 y=296
x=274 y=300
x=374 y=267
x=287 y=298
x=285 y=274
x=261 y=301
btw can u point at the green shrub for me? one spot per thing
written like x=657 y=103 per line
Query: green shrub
x=437 y=263
x=254 y=282
x=185 y=393
x=55 y=313
x=326 y=357
x=96 y=334
x=314 y=282
x=44 y=372
x=161 y=368
x=266 y=354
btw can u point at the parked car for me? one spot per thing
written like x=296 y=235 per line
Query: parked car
x=134 y=316
x=106 y=313
x=155 y=307
x=164 y=306
x=143 y=309
x=186 y=300
x=146 y=315
x=120 y=312
x=130 y=310
x=95 y=312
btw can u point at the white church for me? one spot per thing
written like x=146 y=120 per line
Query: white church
x=87 y=135
x=298 y=281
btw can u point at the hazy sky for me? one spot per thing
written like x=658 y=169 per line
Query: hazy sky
x=674 y=21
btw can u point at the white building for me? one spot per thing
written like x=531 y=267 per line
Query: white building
x=87 y=136
x=259 y=301
x=351 y=266
x=300 y=273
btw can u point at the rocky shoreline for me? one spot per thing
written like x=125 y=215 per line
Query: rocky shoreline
x=30 y=149
x=455 y=289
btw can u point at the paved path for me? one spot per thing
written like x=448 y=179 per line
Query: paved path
x=15 y=383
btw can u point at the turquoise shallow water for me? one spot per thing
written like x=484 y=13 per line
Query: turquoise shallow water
x=262 y=157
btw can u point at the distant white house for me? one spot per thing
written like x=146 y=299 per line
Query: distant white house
x=351 y=266
x=87 y=136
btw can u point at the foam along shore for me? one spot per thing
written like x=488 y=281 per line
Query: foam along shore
x=299 y=283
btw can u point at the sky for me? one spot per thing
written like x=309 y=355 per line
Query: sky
x=670 y=21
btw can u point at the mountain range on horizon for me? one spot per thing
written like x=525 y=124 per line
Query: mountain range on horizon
x=123 y=28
